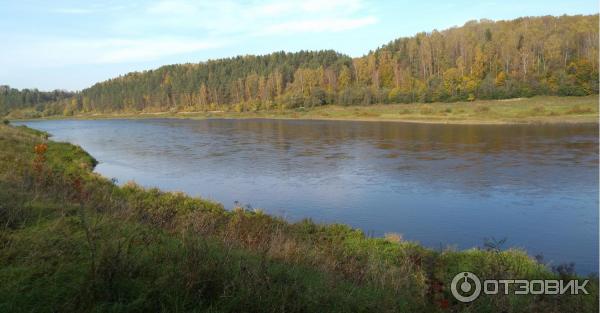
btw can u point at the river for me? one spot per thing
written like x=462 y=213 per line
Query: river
x=440 y=185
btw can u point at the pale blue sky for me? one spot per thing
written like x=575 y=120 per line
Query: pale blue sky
x=73 y=44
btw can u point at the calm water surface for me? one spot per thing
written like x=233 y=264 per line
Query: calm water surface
x=441 y=185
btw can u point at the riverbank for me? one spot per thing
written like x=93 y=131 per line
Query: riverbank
x=535 y=110
x=74 y=241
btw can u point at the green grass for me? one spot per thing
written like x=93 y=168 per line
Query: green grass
x=539 y=109
x=72 y=241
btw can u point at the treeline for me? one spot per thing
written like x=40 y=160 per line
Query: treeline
x=242 y=82
x=14 y=99
x=480 y=60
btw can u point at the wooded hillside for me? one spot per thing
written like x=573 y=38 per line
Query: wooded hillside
x=480 y=60
x=11 y=98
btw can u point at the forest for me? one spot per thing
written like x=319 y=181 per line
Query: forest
x=481 y=60
x=11 y=98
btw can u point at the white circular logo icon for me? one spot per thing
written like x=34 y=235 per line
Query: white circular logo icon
x=469 y=285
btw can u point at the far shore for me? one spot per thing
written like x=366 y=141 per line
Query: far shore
x=535 y=110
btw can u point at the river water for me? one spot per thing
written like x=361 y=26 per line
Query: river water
x=440 y=185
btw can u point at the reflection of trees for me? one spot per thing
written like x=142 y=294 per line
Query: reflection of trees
x=412 y=137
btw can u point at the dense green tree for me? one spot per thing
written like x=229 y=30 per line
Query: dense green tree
x=12 y=99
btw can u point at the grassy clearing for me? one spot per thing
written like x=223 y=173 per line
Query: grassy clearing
x=540 y=109
x=72 y=241
x=523 y=110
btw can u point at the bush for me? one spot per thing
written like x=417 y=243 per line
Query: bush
x=6 y=122
x=393 y=237
x=25 y=114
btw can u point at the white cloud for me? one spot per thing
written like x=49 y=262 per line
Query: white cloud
x=274 y=8
x=321 y=25
x=72 y=11
x=253 y=17
x=116 y=51
x=172 y=7
x=345 y=6
x=145 y=31
x=60 y=52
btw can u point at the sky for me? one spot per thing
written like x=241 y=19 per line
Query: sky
x=71 y=45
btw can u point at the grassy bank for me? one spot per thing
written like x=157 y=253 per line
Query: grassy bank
x=72 y=241
x=541 y=109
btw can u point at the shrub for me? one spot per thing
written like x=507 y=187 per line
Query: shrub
x=393 y=237
x=6 y=122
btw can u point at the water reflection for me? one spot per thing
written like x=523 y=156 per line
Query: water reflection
x=438 y=184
